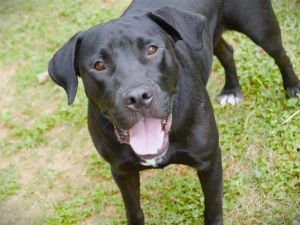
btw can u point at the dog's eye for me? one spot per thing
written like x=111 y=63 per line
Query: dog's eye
x=152 y=50
x=99 y=66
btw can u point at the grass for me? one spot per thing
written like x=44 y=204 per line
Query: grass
x=8 y=182
x=50 y=173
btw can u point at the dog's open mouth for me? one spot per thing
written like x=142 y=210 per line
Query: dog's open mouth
x=148 y=138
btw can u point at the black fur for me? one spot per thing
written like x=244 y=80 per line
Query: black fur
x=187 y=34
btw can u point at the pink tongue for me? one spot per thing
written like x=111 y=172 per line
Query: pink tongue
x=146 y=137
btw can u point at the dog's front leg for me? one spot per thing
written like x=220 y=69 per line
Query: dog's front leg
x=129 y=184
x=211 y=180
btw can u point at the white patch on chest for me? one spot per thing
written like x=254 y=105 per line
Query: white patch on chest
x=152 y=162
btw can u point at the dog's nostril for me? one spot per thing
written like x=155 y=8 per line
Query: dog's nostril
x=131 y=101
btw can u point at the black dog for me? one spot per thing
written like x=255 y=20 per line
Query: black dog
x=145 y=74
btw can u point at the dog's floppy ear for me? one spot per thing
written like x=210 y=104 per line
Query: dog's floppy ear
x=63 y=67
x=181 y=25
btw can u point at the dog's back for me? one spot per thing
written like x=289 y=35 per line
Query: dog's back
x=254 y=18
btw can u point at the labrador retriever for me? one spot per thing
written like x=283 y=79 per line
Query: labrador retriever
x=144 y=75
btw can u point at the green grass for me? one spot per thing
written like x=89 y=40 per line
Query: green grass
x=49 y=166
x=8 y=182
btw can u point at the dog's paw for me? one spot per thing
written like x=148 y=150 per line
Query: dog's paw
x=293 y=92
x=229 y=99
x=230 y=96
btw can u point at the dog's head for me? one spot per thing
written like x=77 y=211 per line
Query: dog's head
x=129 y=69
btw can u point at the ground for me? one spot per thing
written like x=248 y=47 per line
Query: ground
x=50 y=172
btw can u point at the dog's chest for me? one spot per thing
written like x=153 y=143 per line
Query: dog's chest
x=152 y=162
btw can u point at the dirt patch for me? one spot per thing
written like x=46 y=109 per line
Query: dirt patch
x=46 y=176
x=236 y=166
x=121 y=3
x=253 y=151
x=89 y=220
x=6 y=84
x=3 y=132
x=249 y=200
x=19 y=211
x=109 y=209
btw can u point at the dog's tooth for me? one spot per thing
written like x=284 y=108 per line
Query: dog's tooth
x=117 y=134
x=163 y=124
x=122 y=135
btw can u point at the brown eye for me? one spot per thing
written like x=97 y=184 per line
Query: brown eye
x=152 y=50
x=99 y=66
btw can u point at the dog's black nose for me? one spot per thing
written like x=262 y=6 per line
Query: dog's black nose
x=138 y=98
